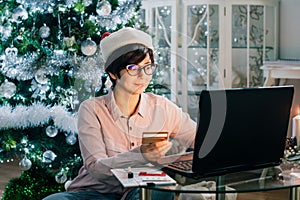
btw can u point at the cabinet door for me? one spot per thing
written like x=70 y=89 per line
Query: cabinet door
x=201 y=49
x=253 y=30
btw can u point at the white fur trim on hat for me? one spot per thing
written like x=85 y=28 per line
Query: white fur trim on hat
x=121 y=38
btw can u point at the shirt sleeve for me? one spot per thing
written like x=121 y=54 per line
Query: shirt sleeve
x=92 y=145
x=182 y=126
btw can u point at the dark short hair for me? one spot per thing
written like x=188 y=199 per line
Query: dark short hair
x=132 y=57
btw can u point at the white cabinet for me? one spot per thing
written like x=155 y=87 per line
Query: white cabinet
x=210 y=44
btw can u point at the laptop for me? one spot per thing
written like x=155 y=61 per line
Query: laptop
x=239 y=130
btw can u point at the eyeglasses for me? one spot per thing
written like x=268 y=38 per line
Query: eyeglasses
x=134 y=69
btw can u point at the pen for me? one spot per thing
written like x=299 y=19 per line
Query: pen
x=152 y=174
x=149 y=180
x=160 y=184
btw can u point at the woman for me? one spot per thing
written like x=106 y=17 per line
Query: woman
x=110 y=127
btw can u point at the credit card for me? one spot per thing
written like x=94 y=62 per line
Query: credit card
x=152 y=137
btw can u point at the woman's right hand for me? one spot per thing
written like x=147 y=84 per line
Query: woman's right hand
x=154 y=151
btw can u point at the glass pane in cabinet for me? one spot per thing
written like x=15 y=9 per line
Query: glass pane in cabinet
x=213 y=39
x=196 y=47
x=202 y=51
x=239 y=45
x=256 y=38
x=162 y=26
x=239 y=26
x=203 y=46
x=162 y=43
x=270 y=32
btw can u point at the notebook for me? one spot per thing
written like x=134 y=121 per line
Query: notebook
x=143 y=176
x=238 y=130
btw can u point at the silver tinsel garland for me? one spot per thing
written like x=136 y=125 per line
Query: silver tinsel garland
x=22 y=117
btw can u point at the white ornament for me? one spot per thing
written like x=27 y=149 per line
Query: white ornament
x=25 y=164
x=103 y=8
x=8 y=89
x=71 y=139
x=44 y=31
x=6 y=32
x=24 y=142
x=51 y=131
x=87 y=2
x=88 y=47
x=41 y=76
x=11 y=54
x=48 y=156
x=11 y=51
x=19 y=14
x=67 y=184
x=61 y=177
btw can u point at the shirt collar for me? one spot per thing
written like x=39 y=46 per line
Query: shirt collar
x=142 y=105
x=115 y=111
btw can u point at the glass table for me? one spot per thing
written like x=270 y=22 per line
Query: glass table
x=285 y=176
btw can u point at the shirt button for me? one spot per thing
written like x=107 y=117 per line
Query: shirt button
x=132 y=144
x=130 y=128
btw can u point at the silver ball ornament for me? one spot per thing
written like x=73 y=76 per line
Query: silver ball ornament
x=88 y=47
x=103 y=8
x=44 y=31
x=61 y=177
x=11 y=54
x=48 y=156
x=25 y=164
x=8 y=89
x=51 y=131
x=71 y=139
x=41 y=76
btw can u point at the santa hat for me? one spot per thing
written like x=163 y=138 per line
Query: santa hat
x=121 y=42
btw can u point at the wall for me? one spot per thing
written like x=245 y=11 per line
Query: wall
x=289 y=44
x=289 y=33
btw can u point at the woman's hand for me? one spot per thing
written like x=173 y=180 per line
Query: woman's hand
x=177 y=147
x=154 y=151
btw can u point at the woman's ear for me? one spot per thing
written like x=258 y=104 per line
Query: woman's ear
x=113 y=76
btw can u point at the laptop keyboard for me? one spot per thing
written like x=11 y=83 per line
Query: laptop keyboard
x=182 y=165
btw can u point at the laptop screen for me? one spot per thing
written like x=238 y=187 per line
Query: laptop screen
x=241 y=129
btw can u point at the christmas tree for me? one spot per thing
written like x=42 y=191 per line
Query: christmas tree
x=49 y=63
